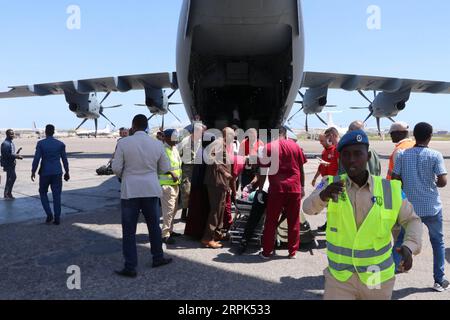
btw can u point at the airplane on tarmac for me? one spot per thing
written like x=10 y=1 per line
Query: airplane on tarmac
x=38 y=132
x=316 y=131
x=233 y=55
x=107 y=132
x=35 y=132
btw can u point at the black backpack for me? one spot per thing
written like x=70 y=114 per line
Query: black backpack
x=105 y=170
x=307 y=237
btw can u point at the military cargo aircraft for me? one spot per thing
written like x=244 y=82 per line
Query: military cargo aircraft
x=238 y=57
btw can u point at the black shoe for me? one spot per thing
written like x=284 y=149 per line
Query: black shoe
x=322 y=228
x=161 y=262
x=175 y=235
x=168 y=240
x=126 y=273
x=56 y=222
x=184 y=215
x=49 y=219
x=242 y=248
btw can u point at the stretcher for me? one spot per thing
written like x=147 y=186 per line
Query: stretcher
x=241 y=212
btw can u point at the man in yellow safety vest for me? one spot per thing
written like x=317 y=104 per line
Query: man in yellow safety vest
x=362 y=210
x=170 y=184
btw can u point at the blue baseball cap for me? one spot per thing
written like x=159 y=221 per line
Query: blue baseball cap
x=172 y=133
x=352 y=138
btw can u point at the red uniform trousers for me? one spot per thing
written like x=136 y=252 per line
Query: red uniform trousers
x=276 y=202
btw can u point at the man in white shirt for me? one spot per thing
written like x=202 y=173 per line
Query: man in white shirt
x=137 y=161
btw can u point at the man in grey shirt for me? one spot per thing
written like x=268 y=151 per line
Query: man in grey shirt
x=136 y=162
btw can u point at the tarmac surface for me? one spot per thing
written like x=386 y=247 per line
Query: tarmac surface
x=34 y=257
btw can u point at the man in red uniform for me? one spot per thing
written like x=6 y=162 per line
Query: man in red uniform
x=329 y=165
x=285 y=192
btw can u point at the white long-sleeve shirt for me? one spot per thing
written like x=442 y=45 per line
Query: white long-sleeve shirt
x=137 y=161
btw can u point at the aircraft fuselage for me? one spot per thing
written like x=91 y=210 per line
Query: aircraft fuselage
x=240 y=60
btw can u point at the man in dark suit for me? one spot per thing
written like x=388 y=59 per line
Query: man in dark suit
x=51 y=151
x=8 y=162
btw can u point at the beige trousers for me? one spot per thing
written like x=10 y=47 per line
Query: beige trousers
x=354 y=289
x=169 y=208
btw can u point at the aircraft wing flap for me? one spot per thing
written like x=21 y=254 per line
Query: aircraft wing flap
x=121 y=83
x=351 y=82
x=16 y=92
x=142 y=81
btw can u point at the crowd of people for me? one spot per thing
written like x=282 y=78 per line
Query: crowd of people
x=204 y=172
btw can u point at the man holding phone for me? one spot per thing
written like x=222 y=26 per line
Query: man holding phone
x=51 y=151
x=362 y=210
x=8 y=162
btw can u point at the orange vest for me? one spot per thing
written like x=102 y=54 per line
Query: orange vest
x=402 y=145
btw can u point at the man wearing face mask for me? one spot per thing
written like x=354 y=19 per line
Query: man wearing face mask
x=362 y=210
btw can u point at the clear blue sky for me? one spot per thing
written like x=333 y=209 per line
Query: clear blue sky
x=137 y=36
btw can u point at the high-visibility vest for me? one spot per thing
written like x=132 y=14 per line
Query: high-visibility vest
x=175 y=163
x=366 y=251
x=403 y=145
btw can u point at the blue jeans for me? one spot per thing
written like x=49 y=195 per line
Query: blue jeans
x=55 y=184
x=10 y=179
x=434 y=225
x=130 y=215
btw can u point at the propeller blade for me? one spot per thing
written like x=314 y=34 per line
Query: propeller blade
x=106 y=97
x=370 y=115
x=301 y=94
x=174 y=115
x=331 y=106
x=306 y=124
x=358 y=108
x=323 y=121
x=140 y=105
x=295 y=114
x=175 y=103
x=84 y=121
x=103 y=115
x=289 y=129
x=364 y=96
x=113 y=107
x=390 y=118
x=171 y=95
x=96 y=127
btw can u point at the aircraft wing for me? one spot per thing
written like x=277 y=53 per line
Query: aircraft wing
x=109 y=84
x=351 y=82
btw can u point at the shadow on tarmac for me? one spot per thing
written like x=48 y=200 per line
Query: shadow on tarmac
x=403 y=293
x=27 y=208
x=35 y=266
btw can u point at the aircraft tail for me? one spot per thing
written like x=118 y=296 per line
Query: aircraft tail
x=330 y=120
